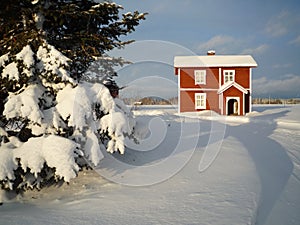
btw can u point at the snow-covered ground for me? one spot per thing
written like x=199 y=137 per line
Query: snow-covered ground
x=190 y=169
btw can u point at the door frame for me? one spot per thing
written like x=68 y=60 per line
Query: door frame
x=238 y=102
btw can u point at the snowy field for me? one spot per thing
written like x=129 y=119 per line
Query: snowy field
x=190 y=169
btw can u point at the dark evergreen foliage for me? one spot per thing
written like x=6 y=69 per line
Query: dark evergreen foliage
x=47 y=47
x=83 y=30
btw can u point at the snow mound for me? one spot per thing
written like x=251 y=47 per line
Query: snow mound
x=254 y=180
x=148 y=112
x=203 y=114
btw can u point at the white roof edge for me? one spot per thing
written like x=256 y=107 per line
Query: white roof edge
x=215 y=61
x=228 y=85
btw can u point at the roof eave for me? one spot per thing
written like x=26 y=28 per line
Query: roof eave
x=215 y=65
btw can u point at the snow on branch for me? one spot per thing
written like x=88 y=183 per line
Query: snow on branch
x=3 y=59
x=11 y=71
x=57 y=152
x=26 y=55
x=53 y=62
x=7 y=166
x=25 y=104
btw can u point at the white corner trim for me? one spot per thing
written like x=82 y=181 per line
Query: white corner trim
x=250 y=77
x=244 y=103
x=178 y=91
x=250 y=91
x=222 y=104
x=220 y=77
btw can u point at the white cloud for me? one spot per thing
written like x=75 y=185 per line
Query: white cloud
x=282 y=24
x=219 y=42
x=287 y=86
x=256 y=51
x=296 y=41
x=224 y=44
x=282 y=66
x=276 y=26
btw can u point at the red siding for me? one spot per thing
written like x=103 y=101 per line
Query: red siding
x=242 y=76
x=187 y=79
x=187 y=101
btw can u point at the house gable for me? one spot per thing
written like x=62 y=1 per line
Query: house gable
x=228 y=85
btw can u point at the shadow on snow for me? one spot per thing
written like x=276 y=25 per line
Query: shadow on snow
x=273 y=165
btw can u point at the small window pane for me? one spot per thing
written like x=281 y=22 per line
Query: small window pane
x=228 y=75
x=200 y=77
x=200 y=101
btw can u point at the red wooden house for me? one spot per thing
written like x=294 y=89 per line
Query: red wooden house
x=221 y=83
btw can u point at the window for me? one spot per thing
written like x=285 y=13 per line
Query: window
x=228 y=75
x=200 y=76
x=200 y=101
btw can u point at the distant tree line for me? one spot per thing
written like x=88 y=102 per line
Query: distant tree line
x=151 y=101
x=174 y=101
x=275 y=101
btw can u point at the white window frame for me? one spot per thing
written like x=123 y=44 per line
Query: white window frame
x=200 y=100
x=230 y=74
x=200 y=76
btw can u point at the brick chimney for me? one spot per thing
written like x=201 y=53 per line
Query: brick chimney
x=211 y=52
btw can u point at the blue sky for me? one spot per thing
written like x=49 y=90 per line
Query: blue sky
x=269 y=30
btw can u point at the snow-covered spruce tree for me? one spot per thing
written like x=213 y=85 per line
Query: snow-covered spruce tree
x=49 y=127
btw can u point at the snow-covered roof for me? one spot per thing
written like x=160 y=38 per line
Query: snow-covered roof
x=215 y=61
